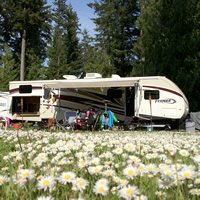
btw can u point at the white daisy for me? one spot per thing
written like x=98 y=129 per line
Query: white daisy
x=81 y=183
x=184 y=153
x=46 y=182
x=195 y=191
x=100 y=189
x=130 y=172
x=66 y=177
x=3 y=179
x=128 y=192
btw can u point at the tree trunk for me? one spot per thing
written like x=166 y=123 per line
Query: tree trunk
x=23 y=55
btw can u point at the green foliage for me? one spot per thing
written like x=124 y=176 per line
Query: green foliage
x=64 y=50
x=35 y=70
x=32 y=16
x=95 y=59
x=100 y=63
x=116 y=29
x=8 y=69
x=169 y=44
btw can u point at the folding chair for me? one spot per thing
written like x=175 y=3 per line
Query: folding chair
x=70 y=119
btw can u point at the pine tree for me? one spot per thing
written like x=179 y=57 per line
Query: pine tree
x=169 y=43
x=7 y=69
x=27 y=23
x=64 y=52
x=116 y=31
x=56 y=56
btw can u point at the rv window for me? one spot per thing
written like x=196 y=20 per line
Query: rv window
x=25 y=89
x=153 y=93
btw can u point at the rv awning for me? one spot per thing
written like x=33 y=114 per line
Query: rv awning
x=93 y=83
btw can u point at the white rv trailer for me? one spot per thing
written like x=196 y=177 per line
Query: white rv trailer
x=153 y=98
x=4 y=104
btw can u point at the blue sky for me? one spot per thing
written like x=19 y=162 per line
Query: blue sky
x=84 y=13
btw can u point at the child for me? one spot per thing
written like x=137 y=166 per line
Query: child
x=105 y=120
x=78 y=115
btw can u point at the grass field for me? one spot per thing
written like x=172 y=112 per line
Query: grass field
x=99 y=165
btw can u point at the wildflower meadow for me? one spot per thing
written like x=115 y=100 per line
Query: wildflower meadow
x=110 y=165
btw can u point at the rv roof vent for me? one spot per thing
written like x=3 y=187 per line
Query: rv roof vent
x=93 y=75
x=69 y=77
x=115 y=76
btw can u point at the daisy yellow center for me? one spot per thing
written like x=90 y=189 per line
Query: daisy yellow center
x=198 y=180
x=25 y=174
x=108 y=172
x=197 y=191
x=14 y=154
x=102 y=182
x=96 y=170
x=89 y=147
x=82 y=183
x=1 y=180
x=141 y=167
x=83 y=163
x=183 y=152
x=150 y=168
x=131 y=172
x=101 y=189
x=166 y=183
x=118 y=150
x=69 y=146
x=134 y=159
x=129 y=191
x=60 y=162
x=67 y=176
x=42 y=158
x=45 y=182
x=19 y=180
x=187 y=175
x=168 y=173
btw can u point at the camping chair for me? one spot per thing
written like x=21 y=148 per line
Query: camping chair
x=96 y=125
x=70 y=120
x=60 y=124
x=92 y=123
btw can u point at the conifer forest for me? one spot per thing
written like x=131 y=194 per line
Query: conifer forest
x=133 y=38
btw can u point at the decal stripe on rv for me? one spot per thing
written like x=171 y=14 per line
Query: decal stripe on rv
x=17 y=89
x=164 y=89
